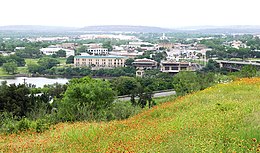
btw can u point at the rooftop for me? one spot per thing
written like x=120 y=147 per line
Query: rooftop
x=144 y=60
x=100 y=57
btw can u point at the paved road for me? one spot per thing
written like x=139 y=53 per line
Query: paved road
x=161 y=94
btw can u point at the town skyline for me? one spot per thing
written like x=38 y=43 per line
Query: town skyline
x=164 y=13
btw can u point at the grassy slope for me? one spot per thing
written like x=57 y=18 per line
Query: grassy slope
x=223 y=118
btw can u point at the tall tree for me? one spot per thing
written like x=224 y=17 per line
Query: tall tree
x=10 y=67
x=107 y=45
x=61 y=53
x=47 y=62
x=70 y=60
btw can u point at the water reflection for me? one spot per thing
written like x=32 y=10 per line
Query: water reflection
x=38 y=81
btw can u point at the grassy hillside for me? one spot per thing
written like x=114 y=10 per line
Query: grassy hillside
x=223 y=118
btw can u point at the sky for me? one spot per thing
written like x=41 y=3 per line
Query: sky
x=160 y=13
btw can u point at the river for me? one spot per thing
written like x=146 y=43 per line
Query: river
x=38 y=81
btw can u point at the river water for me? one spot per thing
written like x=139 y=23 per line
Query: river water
x=38 y=81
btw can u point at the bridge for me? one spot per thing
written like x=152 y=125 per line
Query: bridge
x=236 y=65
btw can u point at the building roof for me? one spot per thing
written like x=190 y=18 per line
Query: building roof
x=98 y=48
x=173 y=62
x=100 y=57
x=144 y=60
x=55 y=49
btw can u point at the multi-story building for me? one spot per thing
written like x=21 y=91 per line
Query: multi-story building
x=131 y=54
x=97 y=62
x=166 y=45
x=93 y=45
x=98 y=51
x=69 y=45
x=145 y=64
x=175 y=67
x=139 y=44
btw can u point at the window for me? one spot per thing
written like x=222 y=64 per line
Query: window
x=174 y=68
x=167 y=68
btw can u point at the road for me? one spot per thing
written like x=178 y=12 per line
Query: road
x=155 y=95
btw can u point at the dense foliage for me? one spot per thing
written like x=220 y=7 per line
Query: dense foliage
x=84 y=71
x=86 y=98
x=12 y=58
x=21 y=101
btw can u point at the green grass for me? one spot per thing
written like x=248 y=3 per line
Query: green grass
x=160 y=100
x=62 y=60
x=22 y=70
x=31 y=61
x=3 y=73
x=223 y=118
x=34 y=61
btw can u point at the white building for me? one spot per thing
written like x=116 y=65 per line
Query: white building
x=4 y=53
x=139 y=44
x=98 y=51
x=93 y=45
x=171 y=66
x=237 y=44
x=132 y=54
x=19 y=48
x=163 y=37
x=50 y=51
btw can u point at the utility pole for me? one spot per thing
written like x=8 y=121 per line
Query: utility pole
x=24 y=82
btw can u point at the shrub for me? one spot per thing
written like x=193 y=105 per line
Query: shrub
x=24 y=124
x=122 y=110
x=85 y=98
x=186 y=82
x=41 y=125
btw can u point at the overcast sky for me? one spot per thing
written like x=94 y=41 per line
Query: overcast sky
x=162 y=13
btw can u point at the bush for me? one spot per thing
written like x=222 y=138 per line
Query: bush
x=10 y=124
x=186 y=82
x=122 y=110
x=41 y=125
x=85 y=99
x=7 y=123
x=248 y=71
x=23 y=125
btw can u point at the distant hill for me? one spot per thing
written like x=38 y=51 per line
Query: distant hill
x=194 y=29
x=242 y=29
x=126 y=28
x=136 y=29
